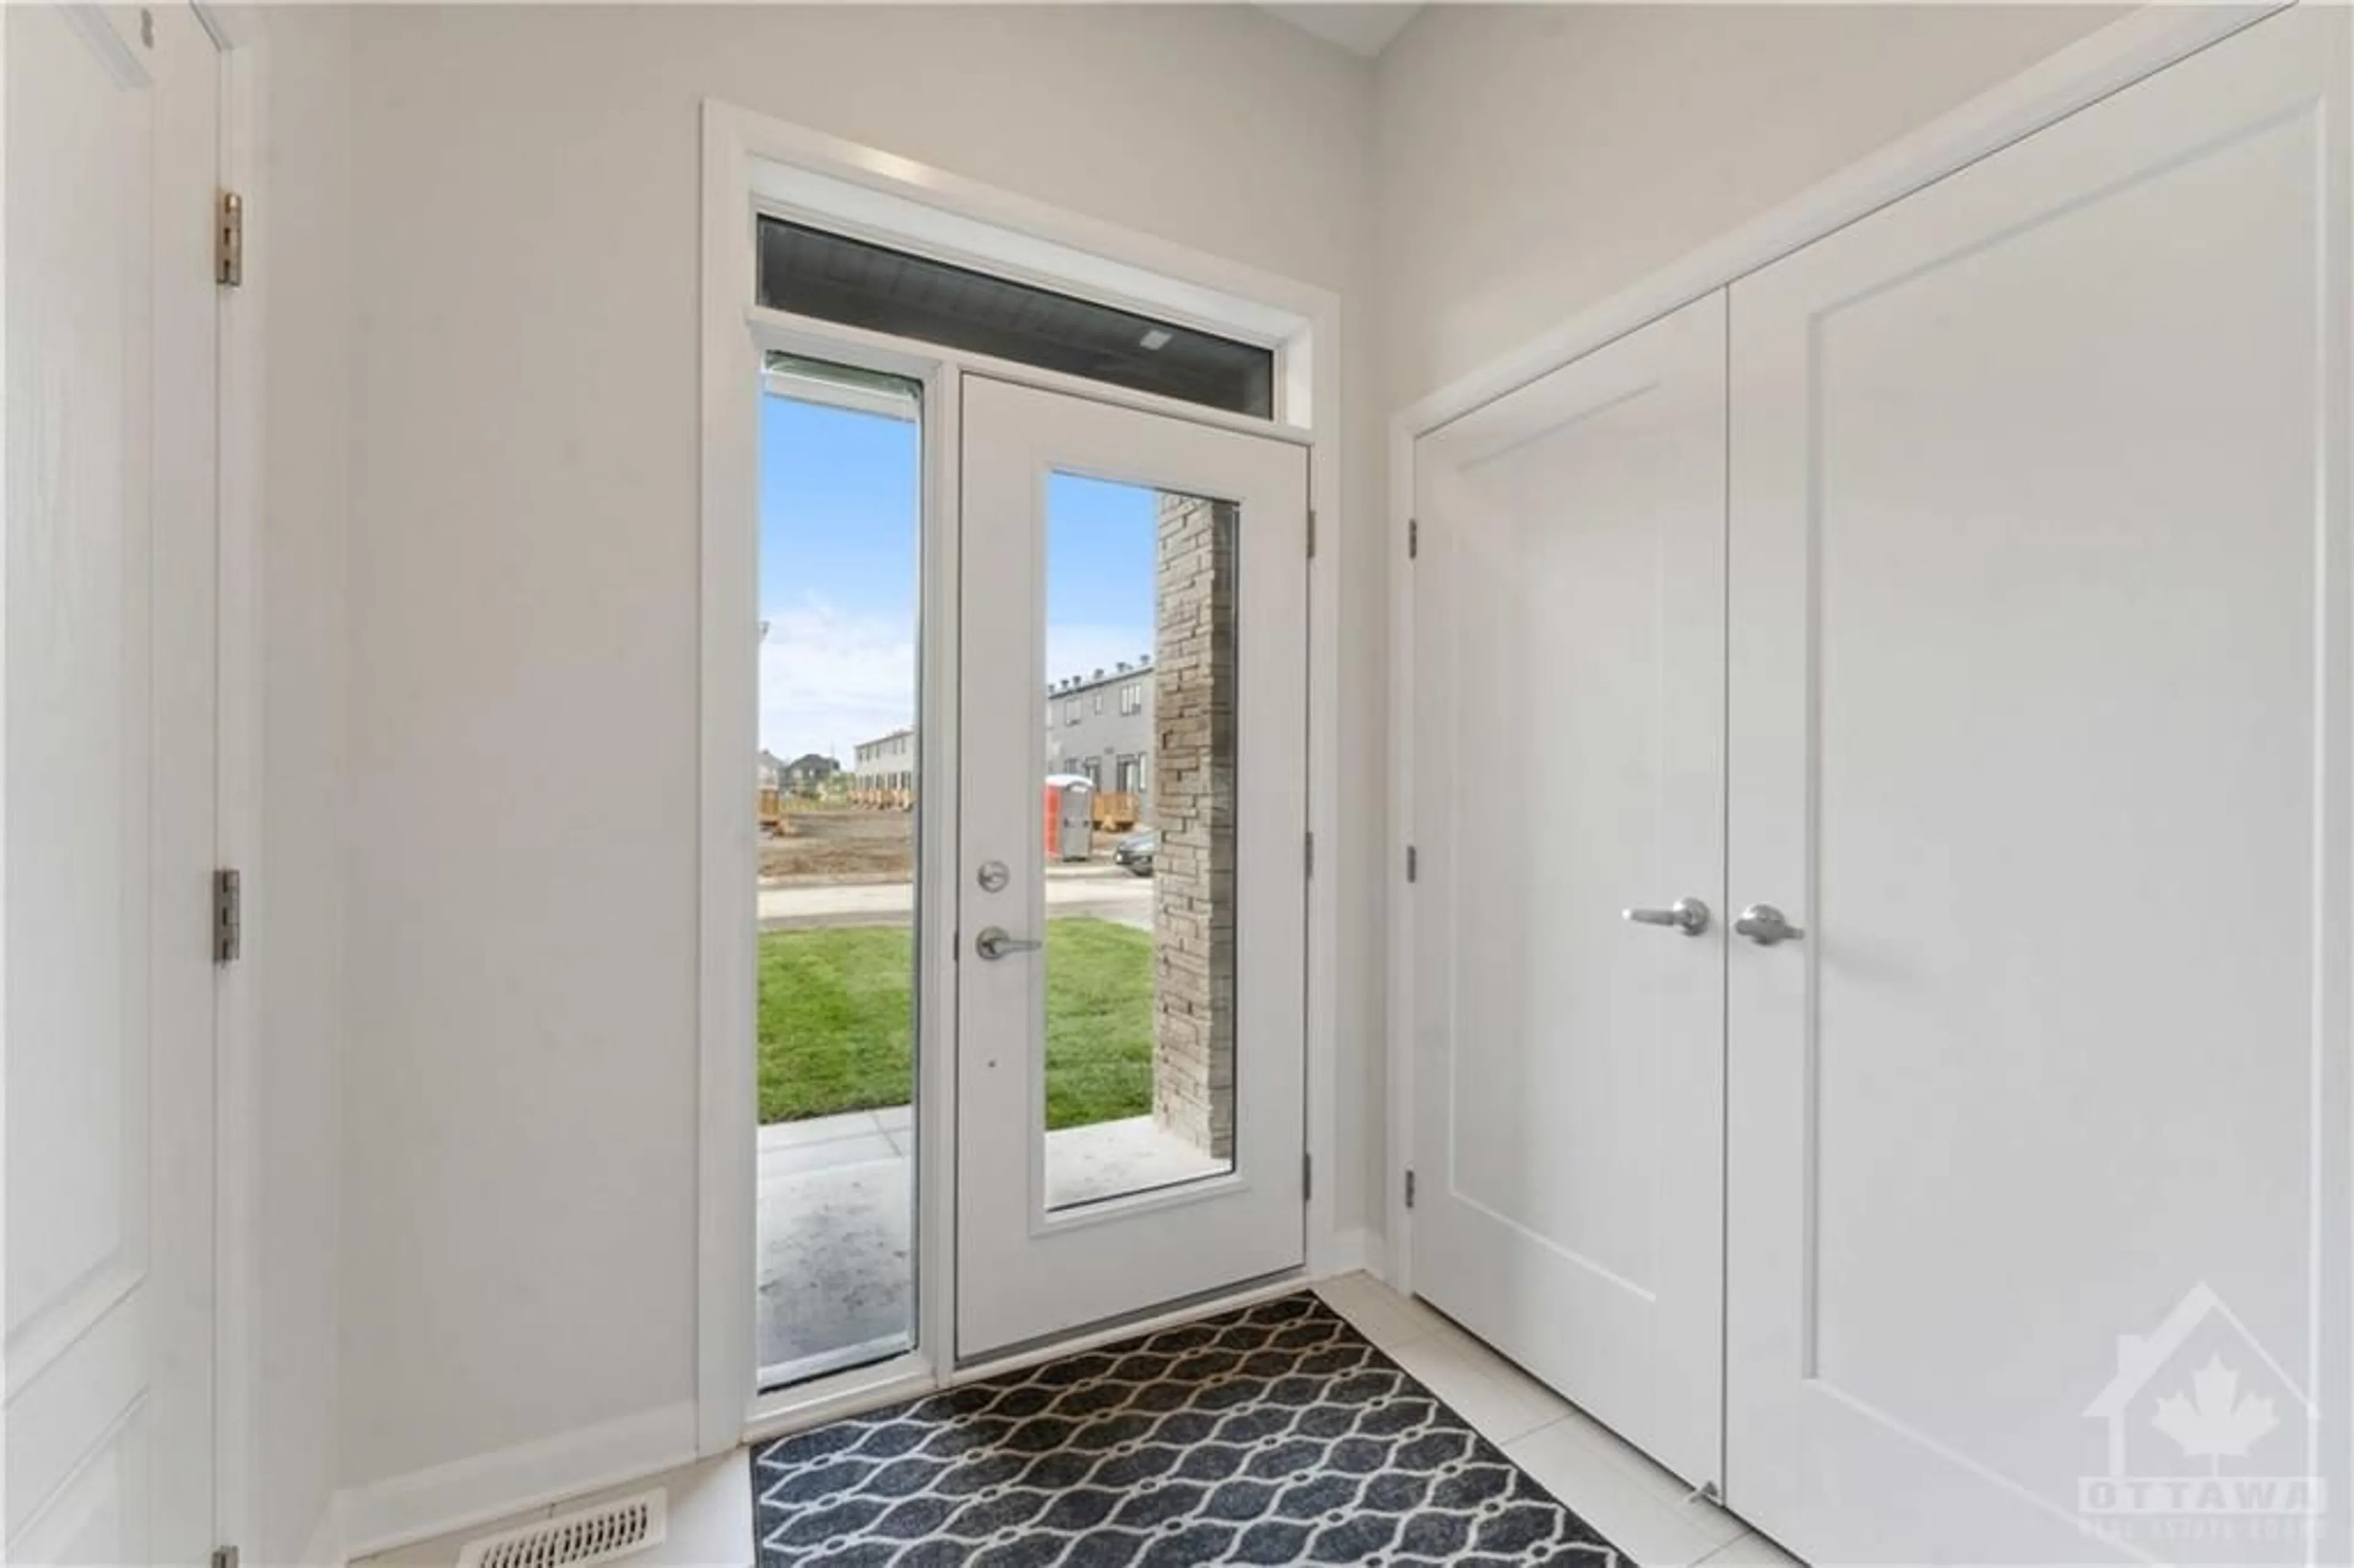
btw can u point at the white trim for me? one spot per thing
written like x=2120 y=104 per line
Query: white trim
x=400 y=1509
x=239 y=1484
x=1109 y=262
x=2137 y=45
x=1398 y=993
x=727 y=1155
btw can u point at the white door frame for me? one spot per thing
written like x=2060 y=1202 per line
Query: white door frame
x=238 y=717
x=751 y=163
x=239 y=36
x=2136 y=45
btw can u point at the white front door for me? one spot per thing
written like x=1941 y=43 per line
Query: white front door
x=1130 y=962
x=1569 y=767
x=112 y=118
x=2039 y=731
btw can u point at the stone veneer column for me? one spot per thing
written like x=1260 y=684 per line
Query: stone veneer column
x=1194 y=808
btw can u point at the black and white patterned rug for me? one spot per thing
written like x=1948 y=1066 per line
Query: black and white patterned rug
x=1274 y=1435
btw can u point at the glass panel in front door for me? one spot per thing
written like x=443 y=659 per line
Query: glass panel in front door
x=1137 y=1009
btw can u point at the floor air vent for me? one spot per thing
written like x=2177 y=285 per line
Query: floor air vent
x=572 y=1539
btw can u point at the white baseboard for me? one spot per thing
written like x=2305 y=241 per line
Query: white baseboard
x=402 y=1509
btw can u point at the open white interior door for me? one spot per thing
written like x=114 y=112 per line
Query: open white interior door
x=112 y=143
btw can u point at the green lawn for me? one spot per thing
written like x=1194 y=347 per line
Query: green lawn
x=836 y=1012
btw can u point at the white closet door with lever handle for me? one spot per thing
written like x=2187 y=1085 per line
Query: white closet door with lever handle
x=2039 y=709
x=1569 y=910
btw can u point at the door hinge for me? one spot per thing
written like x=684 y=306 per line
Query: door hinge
x=224 y=1557
x=1311 y=855
x=1311 y=533
x=1412 y=538
x=1409 y=1188
x=1307 y=1176
x=228 y=916
x=228 y=241
x=1413 y=863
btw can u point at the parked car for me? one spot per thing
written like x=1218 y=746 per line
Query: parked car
x=1135 y=852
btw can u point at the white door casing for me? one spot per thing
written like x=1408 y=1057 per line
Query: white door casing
x=1024 y=1273
x=1569 y=596
x=112 y=148
x=2038 y=729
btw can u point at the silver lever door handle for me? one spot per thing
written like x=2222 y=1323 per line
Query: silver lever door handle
x=1764 y=925
x=1689 y=916
x=994 y=943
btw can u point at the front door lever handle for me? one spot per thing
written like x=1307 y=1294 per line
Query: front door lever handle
x=1689 y=916
x=1764 y=925
x=994 y=943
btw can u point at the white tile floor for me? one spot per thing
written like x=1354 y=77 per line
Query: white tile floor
x=1645 y=1511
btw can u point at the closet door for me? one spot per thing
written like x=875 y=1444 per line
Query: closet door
x=1569 y=595
x=2039 y=697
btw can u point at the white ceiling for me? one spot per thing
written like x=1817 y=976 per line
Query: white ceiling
x=1359 y=28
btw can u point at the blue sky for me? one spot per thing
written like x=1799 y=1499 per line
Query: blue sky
x=839 y=492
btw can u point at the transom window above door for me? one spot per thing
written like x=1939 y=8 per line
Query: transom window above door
x=812 y=272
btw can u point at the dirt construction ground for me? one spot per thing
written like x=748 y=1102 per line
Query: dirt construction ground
x=839 y=845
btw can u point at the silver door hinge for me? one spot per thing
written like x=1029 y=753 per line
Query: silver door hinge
x=228 y=241
x=1409 y=1188
x=228 y=916
x=1307 y=1176
x=1413 y=863
x=1311 y=855
x=1311 y=533
x=1412 y=538
x=224 y=1557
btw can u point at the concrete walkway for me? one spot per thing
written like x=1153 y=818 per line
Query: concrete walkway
x=1107 y=892
x=836 y=1270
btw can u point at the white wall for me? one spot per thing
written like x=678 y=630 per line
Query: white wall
x=515 y=639
x=1535 y=159
x=519 y=1094
x=298 y=264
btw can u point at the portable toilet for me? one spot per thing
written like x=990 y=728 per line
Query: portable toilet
x=1070 y=816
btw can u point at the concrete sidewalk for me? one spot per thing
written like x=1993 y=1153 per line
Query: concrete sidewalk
x=836 y=1271
x=1107 y=892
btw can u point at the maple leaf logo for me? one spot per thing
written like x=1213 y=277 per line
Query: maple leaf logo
x=2215 y=1423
